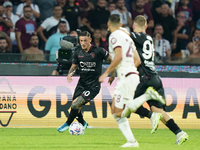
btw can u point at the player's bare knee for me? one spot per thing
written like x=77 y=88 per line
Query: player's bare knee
x=118 y=114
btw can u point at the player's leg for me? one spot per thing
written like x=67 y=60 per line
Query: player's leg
x=88 y=94
x=181 y=136
x=149 y=94
x=124 y=127
x=144 y=84
x=75 y=108
x=124 y=93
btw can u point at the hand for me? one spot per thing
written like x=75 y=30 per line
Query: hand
x=102 y=77
x=69 y=78
x=173 y=47
x=158 y=36
x=111 y=79
x=124 y=8
x=8 y=13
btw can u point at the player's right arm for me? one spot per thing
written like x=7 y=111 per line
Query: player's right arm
x=117 y=59
x=71 y=72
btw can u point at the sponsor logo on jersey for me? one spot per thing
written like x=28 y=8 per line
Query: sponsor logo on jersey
x=113 y=40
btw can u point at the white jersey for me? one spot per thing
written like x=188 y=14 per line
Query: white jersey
x=121 y=39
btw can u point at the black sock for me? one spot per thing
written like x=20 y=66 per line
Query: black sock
x=73 y=113
x=173 y=126
x=80 y=118
x=143 y=112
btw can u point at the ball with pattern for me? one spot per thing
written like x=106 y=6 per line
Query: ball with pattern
x=76 y=128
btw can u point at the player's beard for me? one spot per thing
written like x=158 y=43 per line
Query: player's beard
x=27 y=17
x=120 y=7
x=139 y=7
x=35 y=45
x=2 y=48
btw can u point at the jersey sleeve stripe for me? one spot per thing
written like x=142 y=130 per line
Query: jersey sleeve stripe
x=116 y=47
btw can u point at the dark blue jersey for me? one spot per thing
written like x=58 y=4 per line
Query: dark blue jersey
x=145 y=48
x=90 y=64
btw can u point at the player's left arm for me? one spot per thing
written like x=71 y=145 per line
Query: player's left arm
x=117 y=59
x=112 y=77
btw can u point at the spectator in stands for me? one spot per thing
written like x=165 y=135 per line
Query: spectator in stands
x=183 y=33
x=5 y=22
x=147 y=5
x=96 y=17
x=9 y=12
x=3 y=45
x=196 y=10
x=193 y=46
x=104 y=32
x=9 y=41
x=196 y=54
x=97 y=41
x=50 y=25
x=111 y=6
x=124 y=14
x=174 y=6
x=14 y=18
x=52 y=44
x=24 y=28
x=157 y=7
x=45 y=7
x=85 y=6
x=162 y=46
x=169 y=24
x=33 y=53
x=62 y=3
x=184 y=7
x=15 y=4
x=140 y=10
x=35 y=10
x=71 y=12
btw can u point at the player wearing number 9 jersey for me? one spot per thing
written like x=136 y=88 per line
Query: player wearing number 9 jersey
x=149 y=77
x=125 y=59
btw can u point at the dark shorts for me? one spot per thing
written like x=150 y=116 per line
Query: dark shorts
x=88 y=93
x=156 y=83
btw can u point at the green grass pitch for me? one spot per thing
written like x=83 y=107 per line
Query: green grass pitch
x=94 y=139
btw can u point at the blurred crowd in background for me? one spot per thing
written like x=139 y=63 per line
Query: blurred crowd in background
x=36 y=26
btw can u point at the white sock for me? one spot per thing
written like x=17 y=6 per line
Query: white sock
x=125 y=128
x=135 y=104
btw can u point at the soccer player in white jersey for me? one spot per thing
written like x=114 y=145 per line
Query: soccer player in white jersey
x=125 y=59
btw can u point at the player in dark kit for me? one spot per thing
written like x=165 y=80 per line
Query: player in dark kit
x=149 y=77
x=89 y=60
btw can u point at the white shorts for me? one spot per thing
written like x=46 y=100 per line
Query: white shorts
x=125 y=90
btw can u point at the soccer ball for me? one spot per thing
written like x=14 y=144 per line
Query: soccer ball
x=76 y=128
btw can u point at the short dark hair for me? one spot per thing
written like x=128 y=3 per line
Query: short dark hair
x=27 y=7
x=85 y=33
x=61 y=21
x=157 y=25
x=56 y=6
x=114 y=19
x=103 y=27
x=32 y=35
x=4 y=38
